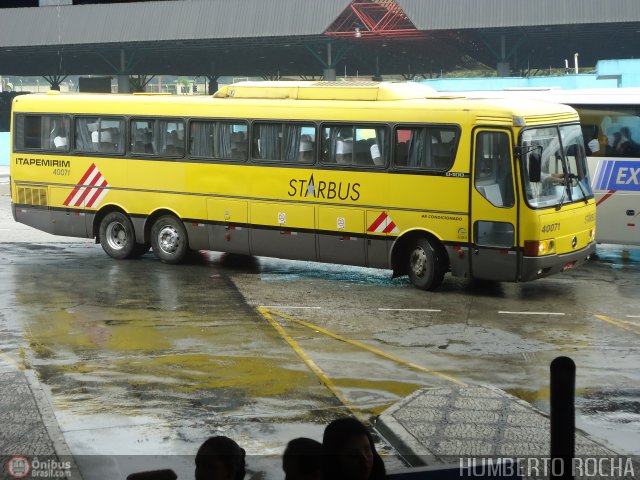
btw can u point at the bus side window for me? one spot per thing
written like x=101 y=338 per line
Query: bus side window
x=426 y=148
x=171 y=137
x=26 y=133
x=42 y=132
x=149 y=143
x=307 y=149
x=337 y=145
x=84 y=129
x=344 y=151
x=142 y=137
x=218 y=140
x=402 y=153
x=238 y=146
x=138 y=141
x=267 y=141
x=298 y=143
x=402 y=138
x=355 y=145
x=58 y=128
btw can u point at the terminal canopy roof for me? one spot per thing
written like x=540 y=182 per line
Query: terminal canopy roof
x=275 y=38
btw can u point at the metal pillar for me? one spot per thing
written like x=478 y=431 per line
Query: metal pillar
x=503 y=68
x=563 y=417
x=123 y=76
x=329 y=73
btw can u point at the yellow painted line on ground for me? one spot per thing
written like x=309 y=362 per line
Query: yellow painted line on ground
x=636 y=324
x=374 y=350
x=326 y=381
x=618 y=323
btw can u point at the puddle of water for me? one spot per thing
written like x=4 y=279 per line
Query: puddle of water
x=618 y=257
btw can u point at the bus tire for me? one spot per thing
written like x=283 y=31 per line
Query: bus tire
x=169 y=239
x=117 y=236
x=425 y=266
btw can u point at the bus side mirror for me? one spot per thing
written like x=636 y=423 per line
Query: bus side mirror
x=535 y=166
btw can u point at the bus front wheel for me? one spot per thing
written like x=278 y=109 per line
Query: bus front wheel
x=169 y=239
x=117 y=236
x=426 y=269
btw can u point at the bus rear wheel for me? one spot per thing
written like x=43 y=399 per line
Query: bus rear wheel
x=117 y=236
x=426 y=269
x=169 y=239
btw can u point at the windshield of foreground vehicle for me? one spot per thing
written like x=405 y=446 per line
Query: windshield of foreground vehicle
x=563 y=175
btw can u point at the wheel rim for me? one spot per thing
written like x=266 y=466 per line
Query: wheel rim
x=418 y=262
x=117 y=236
x=169 y=239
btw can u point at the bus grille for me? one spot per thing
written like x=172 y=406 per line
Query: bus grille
x=32 y=196
x=494 y=120
x=552 y=118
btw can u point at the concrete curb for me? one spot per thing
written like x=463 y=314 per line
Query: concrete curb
x=50 y=422
x=437 y=426
x=400 y=438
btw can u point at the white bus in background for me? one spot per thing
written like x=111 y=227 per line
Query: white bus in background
x=610 y=119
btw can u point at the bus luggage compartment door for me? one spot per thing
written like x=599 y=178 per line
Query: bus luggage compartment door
x=341 y=235
x=283 y=230
x=228 y=230
x=71 y=221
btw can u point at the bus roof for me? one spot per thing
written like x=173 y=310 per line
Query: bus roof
x=331 y=101
x=330 y=90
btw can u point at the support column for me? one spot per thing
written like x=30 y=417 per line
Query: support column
x=376 y=76
x=213 y=80
x=329 y=73
x=123 y=76
x=503 y=68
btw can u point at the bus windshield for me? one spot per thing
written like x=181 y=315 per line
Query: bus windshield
x=561 y=156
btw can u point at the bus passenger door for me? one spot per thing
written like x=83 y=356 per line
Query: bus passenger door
x=493 y=216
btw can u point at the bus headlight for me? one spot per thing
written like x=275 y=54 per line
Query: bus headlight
x=538 y=248
x=592 y=235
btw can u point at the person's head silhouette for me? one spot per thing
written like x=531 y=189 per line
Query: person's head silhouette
x=220 y=458
x=348 y=452
x=302 y=459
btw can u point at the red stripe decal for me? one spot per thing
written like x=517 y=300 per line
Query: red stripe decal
x=80 y=183
x=606 y=195
x=95 y=196
x=389 y=228
x=376 y=224
x=94 y=182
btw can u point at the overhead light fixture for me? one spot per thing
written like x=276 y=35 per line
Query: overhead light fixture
x=357 y=32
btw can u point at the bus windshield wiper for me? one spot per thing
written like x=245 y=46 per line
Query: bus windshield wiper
x=577 y=178
x=567 y=186
x=564 y=191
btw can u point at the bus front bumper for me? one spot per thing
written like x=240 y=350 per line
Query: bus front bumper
x=538 y=267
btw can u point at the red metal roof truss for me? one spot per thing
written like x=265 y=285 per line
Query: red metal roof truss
x=373 y=20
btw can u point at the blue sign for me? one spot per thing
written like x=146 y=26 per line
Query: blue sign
x=623 y=175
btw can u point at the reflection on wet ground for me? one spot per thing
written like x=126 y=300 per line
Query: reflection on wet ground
x=147 y=349
x=141 y=331
x=619 y=256
x=147 y=358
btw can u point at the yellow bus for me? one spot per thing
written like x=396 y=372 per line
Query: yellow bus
x=385 y=175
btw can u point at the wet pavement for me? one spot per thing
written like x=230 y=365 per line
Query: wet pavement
x=141 y=358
